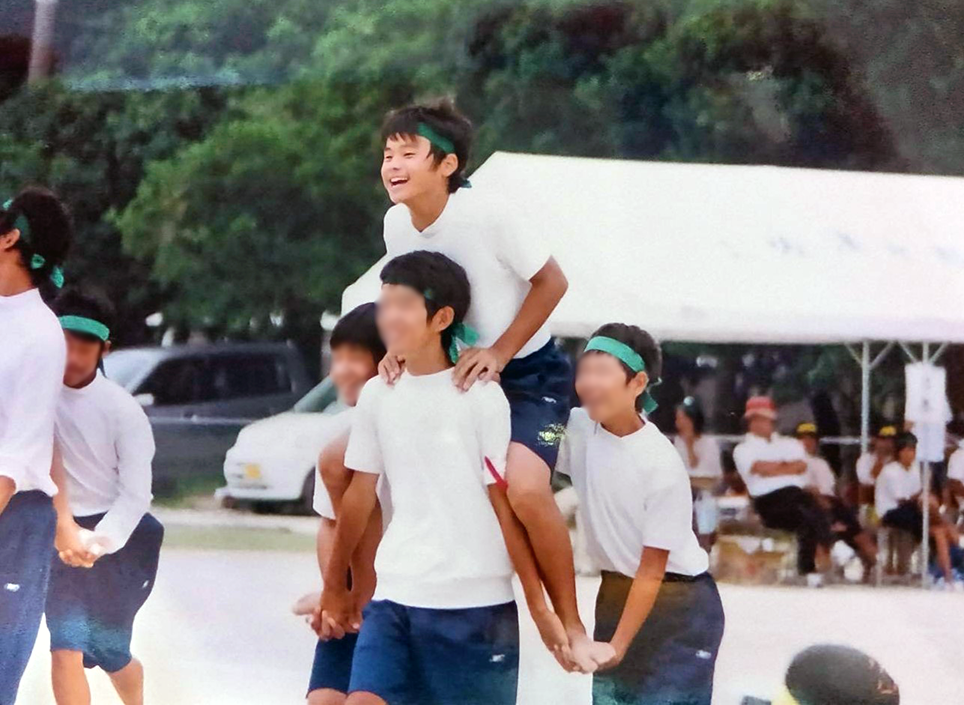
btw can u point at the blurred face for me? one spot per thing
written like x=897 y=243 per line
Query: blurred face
x=907 y=455
x=83 y=356
x=603 y=389
x=351 y=367
x=810 y=444
x=403 y=321
x=684 y=424
x=760 y=426
x=409 y=169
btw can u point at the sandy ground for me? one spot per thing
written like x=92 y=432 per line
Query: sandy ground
x=217 y=631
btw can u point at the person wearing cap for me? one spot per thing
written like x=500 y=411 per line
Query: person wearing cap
x=899 y=495
x=872 y=461
x=105 y=446
x=659 y=618
x=701 y=457
x=822 y=482
x=35 y=236
x=774 y=468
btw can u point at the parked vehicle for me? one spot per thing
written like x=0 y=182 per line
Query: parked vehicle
x=199 y=397
x=274 y=459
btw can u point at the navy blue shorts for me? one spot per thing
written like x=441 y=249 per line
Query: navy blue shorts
x=672 y=659
x=331 y=669
x=417 y=656
x=539 y=389
x=907 y=516
x=92 y=610
x=27 y=528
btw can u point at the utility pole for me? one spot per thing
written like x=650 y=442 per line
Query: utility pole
x=42 y=43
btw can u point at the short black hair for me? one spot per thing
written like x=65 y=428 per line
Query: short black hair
x=51 y=230
x=87 y=302
x=358 y=328
x=830 y=674
x=906 y=440
x=444 y=119
x=438 y=279
x=694 y=410
x=643 y=344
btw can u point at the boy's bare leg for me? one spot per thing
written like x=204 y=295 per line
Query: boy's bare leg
x=364 y=698
x=943 y=551
x=326 y=696
x=129 y=683
x=530 y=495
x=68 y=677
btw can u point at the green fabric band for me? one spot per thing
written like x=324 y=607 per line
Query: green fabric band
x=436 y=139
x=462 y=333
x=37 y=261
x=629 y=357
x=81 y=324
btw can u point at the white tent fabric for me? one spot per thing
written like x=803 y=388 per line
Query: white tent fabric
x=722 y=253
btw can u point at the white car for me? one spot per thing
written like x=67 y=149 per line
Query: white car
x=273 y=460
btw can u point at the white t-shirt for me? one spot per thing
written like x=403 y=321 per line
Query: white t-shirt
x=779 y=448
x=443 y=548
x=498 y=248
x=634 y=492
x=896 y=483
x=955 y=464
x=107 y=446
x=820 y=476
x=865 y=468
x=321 y=501
x=31 y=375
x=707 y=453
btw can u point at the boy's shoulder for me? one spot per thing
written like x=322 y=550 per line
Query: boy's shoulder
x=374 y=389
x=579 y=424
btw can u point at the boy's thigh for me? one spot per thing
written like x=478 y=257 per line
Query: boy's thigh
x=382 y=663
x=468 y=656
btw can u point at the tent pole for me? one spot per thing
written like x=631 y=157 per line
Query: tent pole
x=925 y=500
x=865 y=396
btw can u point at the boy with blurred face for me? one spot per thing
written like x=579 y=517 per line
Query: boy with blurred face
x=356 y=350
x=659 y=619
x=516 y=284
x=35 y=235
x=774 y=469
x=822 y=483
x=108 y=543
x=899 y=495
x=442 y=626
x=870 y=463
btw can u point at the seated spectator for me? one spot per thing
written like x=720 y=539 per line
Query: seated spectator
x=701 y=457
x=774 y=469
x=899 y=494
x=822 y=482
x=872 y=461
x=955 y=475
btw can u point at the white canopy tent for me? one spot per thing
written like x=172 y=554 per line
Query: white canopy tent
x=755 y=254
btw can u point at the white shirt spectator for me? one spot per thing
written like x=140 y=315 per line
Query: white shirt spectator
x=865 y=468
x=495 y=244
x=443 y=548
x=634 y=492
x=955 y=464
x=31 y=376
x=894 y=484
x=778 y=448
x=820 y=476
x=707 y=452
x=321 y=501
x=107 y=446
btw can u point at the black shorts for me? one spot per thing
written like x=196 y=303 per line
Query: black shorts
x=92 y=610
x=906 y=516
x=539 y=388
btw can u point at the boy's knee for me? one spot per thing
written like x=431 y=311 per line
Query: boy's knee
x=528 y=496
x=326 y=696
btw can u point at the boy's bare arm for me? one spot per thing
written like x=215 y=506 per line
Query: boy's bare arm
x=331 y=466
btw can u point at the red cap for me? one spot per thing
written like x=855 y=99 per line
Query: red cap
x=760 y=406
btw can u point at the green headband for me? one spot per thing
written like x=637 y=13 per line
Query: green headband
x=81 y=324
x=436 y=139
x=629 y=357
x=37 y=261
x=461 y=332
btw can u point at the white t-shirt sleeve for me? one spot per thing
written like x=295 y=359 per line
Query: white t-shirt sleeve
x=495 y=430
x=135 y=452
x=321 y=501
x=518 y=243
x=31 y=404
x=743 y=459
x=708 y=452
x=364 y=453
x=955 y=465
x=667 y=517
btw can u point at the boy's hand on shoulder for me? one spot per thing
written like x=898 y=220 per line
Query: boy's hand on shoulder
x=391 y=367
x=476 y=364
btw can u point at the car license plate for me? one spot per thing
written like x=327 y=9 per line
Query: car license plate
x=252 y=471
